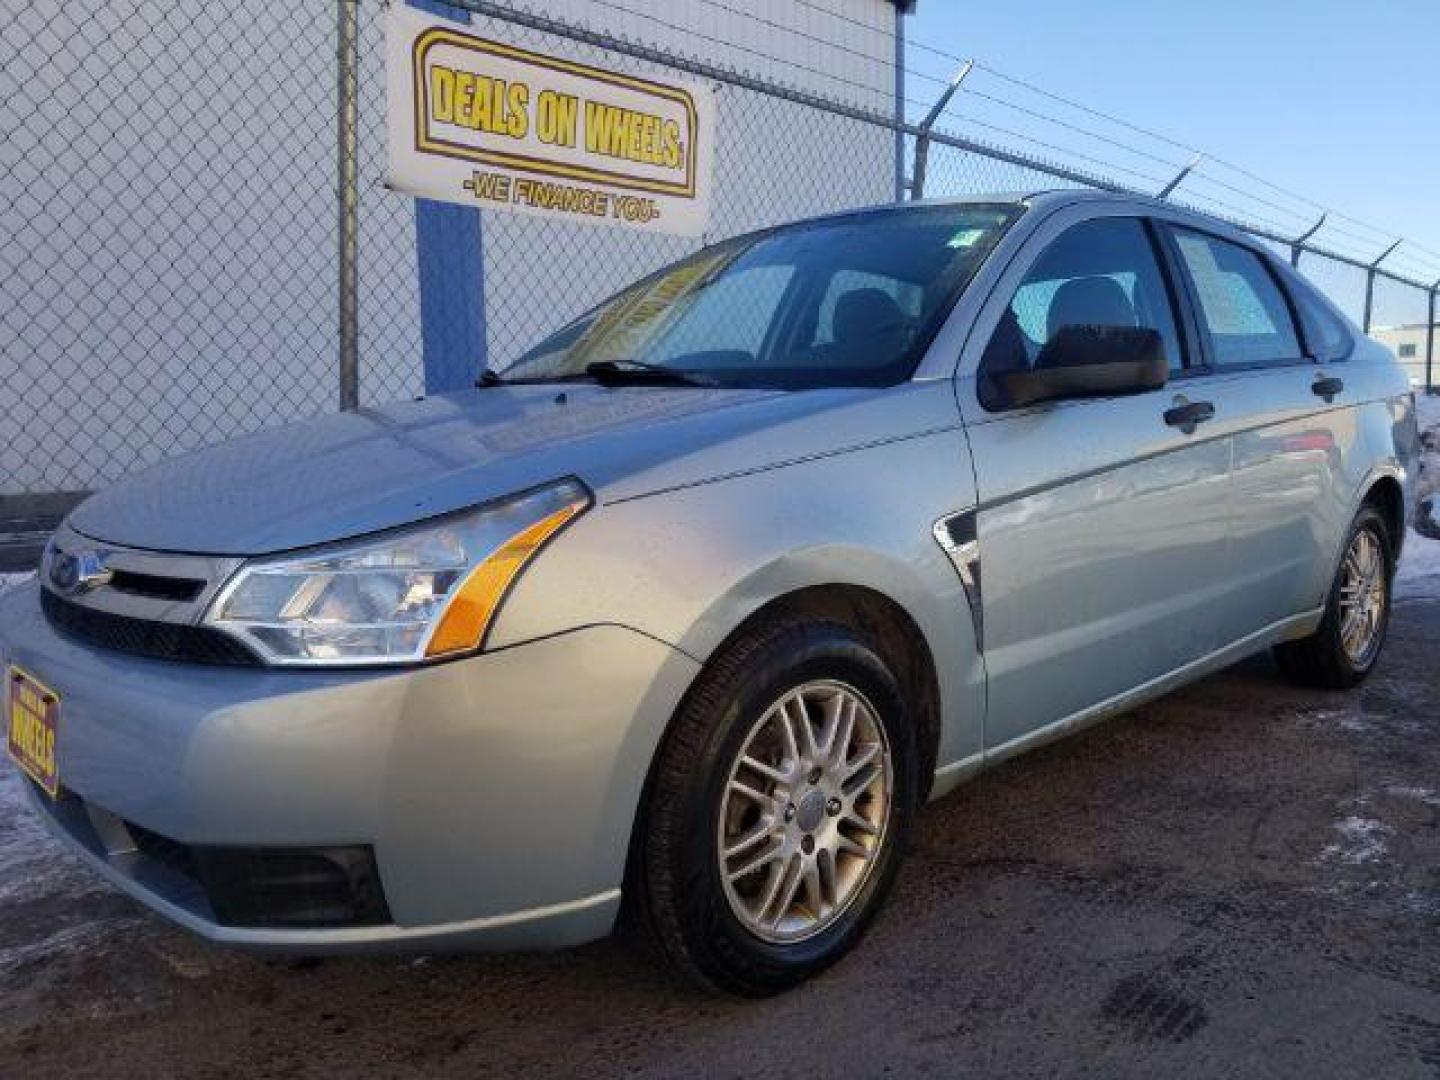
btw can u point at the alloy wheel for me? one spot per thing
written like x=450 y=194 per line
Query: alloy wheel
x=1363 y=597
x=804 y=812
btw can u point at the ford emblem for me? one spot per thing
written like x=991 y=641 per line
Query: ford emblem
x=73 y=573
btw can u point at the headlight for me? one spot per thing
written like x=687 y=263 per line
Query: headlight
x=408 y=595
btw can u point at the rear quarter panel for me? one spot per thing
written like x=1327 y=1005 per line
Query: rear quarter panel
x=1381 y=438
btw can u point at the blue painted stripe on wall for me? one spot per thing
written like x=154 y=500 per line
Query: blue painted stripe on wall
x=450 y=254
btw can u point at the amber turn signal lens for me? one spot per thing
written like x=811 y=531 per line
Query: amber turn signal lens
x=468 y=615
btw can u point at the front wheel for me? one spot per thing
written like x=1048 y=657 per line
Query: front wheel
x=779 y=806
x=1345 y=647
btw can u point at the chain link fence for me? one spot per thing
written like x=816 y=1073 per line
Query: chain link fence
x=168 y=274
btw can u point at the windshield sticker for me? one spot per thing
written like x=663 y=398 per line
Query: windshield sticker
x=966 y=238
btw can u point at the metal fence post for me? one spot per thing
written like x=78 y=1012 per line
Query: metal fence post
x=899 y=102
x=1430 y=342
x=1298 y=244
x=1370 y=272
x=347 y=196
x=922 y=140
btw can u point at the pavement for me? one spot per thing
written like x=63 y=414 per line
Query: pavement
x=1242 y=879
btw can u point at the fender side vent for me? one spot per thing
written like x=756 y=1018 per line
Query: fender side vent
x=958 y=534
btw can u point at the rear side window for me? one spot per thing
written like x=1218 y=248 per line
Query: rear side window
x=1100 y=273
x=1241 y=306
x=1325 y=334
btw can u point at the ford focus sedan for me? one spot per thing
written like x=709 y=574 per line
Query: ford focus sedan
x=684 y=613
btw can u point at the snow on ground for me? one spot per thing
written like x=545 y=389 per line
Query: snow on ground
x=54 y=906
x=1360 y=840
x=1414 y=794
x=35 y=871
x=1419 y=572
x=20 y=833
x=1427 y=409
x=1427 y=406
x=8 y=581
x=28 y=864
x=37 y=875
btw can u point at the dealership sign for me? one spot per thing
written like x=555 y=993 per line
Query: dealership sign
x=487 y=124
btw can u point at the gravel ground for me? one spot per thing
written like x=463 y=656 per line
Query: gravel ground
x=1241 y=879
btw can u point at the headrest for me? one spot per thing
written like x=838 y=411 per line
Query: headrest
x=866 y=313
x=1090 y=301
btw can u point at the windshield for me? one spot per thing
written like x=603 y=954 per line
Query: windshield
x=847 y=301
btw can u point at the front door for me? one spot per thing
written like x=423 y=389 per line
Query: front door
x=1102 y=523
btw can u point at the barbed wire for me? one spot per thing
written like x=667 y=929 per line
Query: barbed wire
x=1369 y=239
x=710 y=39
x=1069 y=152
x=1179 y=145
x=1202 y=174
x=971 y=92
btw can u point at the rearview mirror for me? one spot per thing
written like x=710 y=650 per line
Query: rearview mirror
x=1091 y=361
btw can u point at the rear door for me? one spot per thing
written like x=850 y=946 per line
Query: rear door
x=1102 y=528
x=1290 y=436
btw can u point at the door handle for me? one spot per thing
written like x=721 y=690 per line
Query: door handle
x=1188 y=415
x=1327 y=387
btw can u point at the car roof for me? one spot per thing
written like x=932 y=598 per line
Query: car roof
x=1045 y=199
x=1054 y=198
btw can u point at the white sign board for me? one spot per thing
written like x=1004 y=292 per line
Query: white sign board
x=486 y=124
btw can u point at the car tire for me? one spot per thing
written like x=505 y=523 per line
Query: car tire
x=715 y=927
x=1329 y=658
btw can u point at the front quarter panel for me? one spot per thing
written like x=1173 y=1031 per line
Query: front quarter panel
x=689 y=566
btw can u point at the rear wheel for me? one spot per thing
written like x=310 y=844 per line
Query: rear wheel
x=779 y=806
x=1348 y=642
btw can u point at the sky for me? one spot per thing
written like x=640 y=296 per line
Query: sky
x=1336 y=100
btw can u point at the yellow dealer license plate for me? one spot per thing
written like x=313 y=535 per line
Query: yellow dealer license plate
x=34 y=716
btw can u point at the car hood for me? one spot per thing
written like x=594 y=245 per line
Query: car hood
x=339 y=476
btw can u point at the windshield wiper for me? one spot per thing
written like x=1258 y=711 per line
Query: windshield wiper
x=611 y=371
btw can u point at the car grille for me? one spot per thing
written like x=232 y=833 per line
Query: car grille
x=155 y=587
x=144 y=637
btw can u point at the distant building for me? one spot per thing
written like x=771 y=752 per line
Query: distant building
x=1409 y=343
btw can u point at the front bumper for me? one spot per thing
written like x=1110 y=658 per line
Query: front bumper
x=497 y=793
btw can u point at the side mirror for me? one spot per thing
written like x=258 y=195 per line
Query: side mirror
x=1091 y=361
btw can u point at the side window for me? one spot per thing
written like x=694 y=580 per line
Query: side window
x=728 y=319
x=1326 y=335
x=1241 y=305
x=1101 y=273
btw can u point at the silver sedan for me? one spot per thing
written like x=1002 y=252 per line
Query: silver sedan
x=681 y=615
